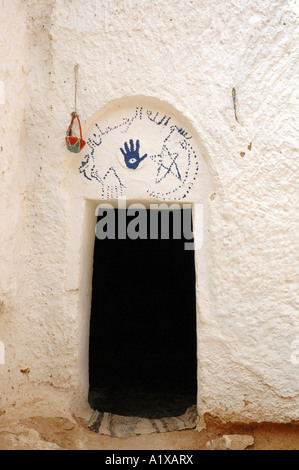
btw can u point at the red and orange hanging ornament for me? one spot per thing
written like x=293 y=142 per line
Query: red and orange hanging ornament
x=75 y=144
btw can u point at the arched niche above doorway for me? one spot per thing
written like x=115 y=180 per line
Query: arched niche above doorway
x=139 y=148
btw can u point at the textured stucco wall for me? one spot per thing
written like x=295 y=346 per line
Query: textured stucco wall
x=190 y=54
x=14 y=70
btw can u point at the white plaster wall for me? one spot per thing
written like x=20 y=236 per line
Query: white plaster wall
x=14 y=98
x=190 y=54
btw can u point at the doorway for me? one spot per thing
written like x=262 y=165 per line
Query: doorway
x=142 y=352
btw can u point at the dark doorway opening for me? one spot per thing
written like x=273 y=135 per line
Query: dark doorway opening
x=142 y=356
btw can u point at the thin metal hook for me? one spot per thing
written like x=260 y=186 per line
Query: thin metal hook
x=234 y=95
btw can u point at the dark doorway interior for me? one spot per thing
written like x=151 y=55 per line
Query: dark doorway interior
x=142 y=354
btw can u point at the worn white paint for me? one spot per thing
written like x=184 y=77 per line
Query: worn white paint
x=188 y=56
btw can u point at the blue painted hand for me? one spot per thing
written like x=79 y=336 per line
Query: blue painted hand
x=131 y=155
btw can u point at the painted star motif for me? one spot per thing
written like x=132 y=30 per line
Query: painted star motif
x=167 y=164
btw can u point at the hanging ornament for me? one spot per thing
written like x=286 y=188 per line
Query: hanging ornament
x=75 y=144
